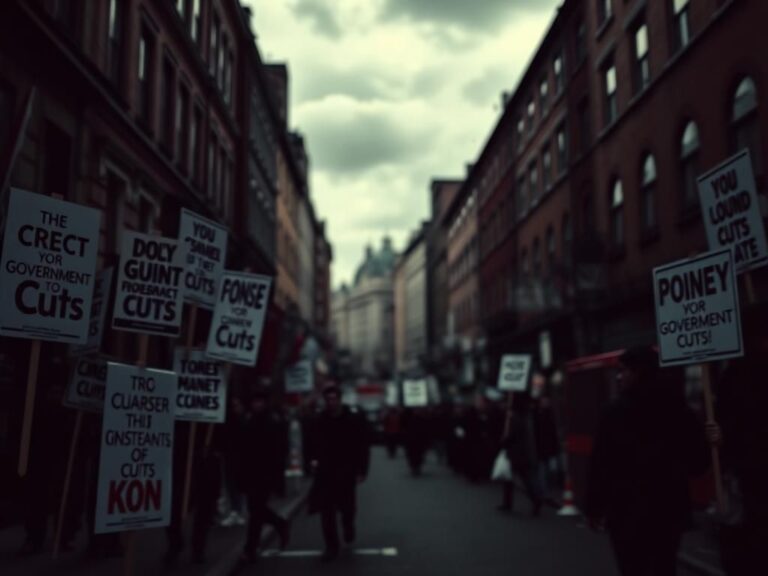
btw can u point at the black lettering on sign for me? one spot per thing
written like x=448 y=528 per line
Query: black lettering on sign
x=694 y=284
x=244 y=293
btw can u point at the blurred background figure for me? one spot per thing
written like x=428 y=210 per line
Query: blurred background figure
x=232 y=439
x=416 y=438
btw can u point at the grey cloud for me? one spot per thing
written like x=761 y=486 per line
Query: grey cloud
x=462 y=13
x=320 y=81
x=350 y=145
x=485 y=89
x=320 y=16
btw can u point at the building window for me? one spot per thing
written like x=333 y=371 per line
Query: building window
x=609 y=90
x=520 y=133
x=604 y=11
x=115 y=35
x=689 y=165
x=559 y=72
x=585 y=132
x=7 y=104
x=180 y=7
x=228 y=77
x=551 y=249
x=167 y=100
x=57 y=161
x=522 y=198
x=648 y=196
x=580 y=48
x=536 y=257
x=196 y=22
x=567 y=237
x=533 y=183
x=642 y=67
x=213 y=52
x=745 y=131
x=222 y=180
x=617 y=214
x=681 y=31
x=546 y=166
x=194 y=145
x=531 y=111
x=221 y=66
x=146 y=75
x=562 y=150
x=544 y=95
x=182 y=126
x=212 y=166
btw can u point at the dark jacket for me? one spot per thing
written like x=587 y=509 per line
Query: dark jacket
x=340 y=446
x=518 y=443
x=261 y=454
x=648 y=445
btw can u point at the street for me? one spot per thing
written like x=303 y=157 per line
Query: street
x=441 y=524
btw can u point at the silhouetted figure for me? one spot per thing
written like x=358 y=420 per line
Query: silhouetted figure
x=416 y=436
x=648 y=445
x=340 y=450
x=519 y=447
x=392 y=423
x=206 y=490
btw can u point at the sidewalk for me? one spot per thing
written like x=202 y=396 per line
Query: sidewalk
x=223 y=550
x=700 y=549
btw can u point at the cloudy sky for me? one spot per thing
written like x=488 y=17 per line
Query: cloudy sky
x=390 y=94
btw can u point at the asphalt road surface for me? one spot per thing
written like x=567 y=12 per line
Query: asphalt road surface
x=440 y=524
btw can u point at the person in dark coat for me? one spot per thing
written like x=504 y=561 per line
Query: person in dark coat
x=416 y=436
x=261 y=464
x=519 y=447
x=547 y=444
x=743 y=433
x=340 y=452
x=648 y=445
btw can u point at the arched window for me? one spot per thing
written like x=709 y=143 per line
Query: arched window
x=689 y=165
x=536 y=257
x=551 y=249
x=745 y=132
x=524 y=269
x=648 y=195
x=617 y=214
x=566 y=231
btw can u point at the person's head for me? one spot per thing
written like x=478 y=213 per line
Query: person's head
x=639 y=364
x=332 y=397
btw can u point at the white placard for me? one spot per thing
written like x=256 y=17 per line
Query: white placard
x=86 y=388
x=731 y=212
x=149 y=298
x=47 y=271
x=238 y=319
x=205 y=247
x=99 y=307
x=135 y=470
x=393 y=394
x=300 y=377
x=201 y=395
x=415 y=393
x=697 y=310
x=514 y=371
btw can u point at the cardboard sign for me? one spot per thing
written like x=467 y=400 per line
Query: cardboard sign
x=238 y=319
x=134 y=486
x=149 y=298
x=697 y=310
x=300 y=377
x=732 y=214
x=88 y=384
x=514 y=371
x=99 y=306
x=202 y=391
x=415 y=393
x=393 y=394
x=47 y=271
x=205 y=249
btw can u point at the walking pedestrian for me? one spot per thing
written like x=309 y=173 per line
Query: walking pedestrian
x=261 y=464
x=232 y=440
x=518 y=444
x=547 y=446
x=416 y=434
x=340 y=452
x=648 y=445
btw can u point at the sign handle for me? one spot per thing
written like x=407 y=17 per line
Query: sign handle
x=749 y=286
x=67 y=482
x=29 y=407
x=143 y=351
x=129 y=551
x=706 y=376
x=209 y=436
x=191 y=328
x=188 y=477
x=508 y=418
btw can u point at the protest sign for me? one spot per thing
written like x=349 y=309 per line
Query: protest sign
x=202 y=391
x=87 y=385
x=697 y=310
x=48 y=268
x=134 y=486
x=149 y=298
x=205 y=249
x=415 y=393
x=513 y=372
x=300 y=377
x=732 y=214
x=393 y=394
x=99 y=307
x=238 y=319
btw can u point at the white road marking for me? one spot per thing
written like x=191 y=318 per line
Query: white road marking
x=388 y=552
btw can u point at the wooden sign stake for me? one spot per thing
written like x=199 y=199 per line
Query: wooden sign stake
x=722 y=504
x=29 y=407
x=192 y=426
x=67 y=482
x=508 y=418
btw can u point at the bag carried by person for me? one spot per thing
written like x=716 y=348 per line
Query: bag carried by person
x=502 y=469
